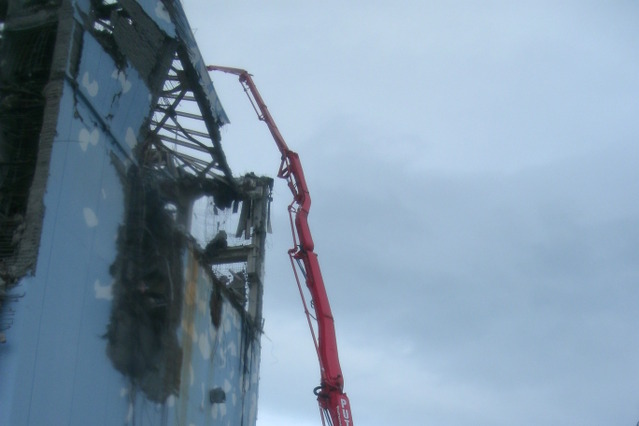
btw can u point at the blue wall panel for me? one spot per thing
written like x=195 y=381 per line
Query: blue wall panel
x=54 y=368
x=118 y=98
x=215 y=358
x=62 y=370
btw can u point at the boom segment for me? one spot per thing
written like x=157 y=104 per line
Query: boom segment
x=333 y=402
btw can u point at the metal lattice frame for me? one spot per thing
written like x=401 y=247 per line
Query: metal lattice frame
x=174 y=140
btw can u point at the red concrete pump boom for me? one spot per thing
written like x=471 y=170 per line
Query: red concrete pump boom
x=334 y=404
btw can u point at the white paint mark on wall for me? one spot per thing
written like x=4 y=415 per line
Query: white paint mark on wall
x=205 y=346
x=90 y=218
x=85 y=137
x=161 y=12
x=202 y=305
x=104 y=194
x=129 y=414
x=91 y=86
x=130 y=138
x=244 y=383
x=203 y=396
x=232 y=348
x=214 y=411
x=121 y=77
x=253 y=410
x=103 y=291
x=170 y=401
x=189 y=330
x=218 y=410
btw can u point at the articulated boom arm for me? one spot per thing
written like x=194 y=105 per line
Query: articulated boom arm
x=333 y=402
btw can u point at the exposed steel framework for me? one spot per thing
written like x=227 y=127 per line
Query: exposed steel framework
x=333 y=402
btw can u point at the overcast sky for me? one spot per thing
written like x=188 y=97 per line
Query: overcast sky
x=474 y=169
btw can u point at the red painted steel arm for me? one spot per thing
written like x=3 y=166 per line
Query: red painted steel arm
x=330 y=394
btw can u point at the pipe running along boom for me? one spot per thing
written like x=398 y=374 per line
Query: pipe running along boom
x=334 y=404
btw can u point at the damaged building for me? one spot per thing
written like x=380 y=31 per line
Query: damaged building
x=112 y=311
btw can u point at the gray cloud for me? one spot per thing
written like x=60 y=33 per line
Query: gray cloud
x=473 y=170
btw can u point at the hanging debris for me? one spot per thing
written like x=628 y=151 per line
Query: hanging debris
x=148 y=272
x=148 y=280
x=26 y=50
